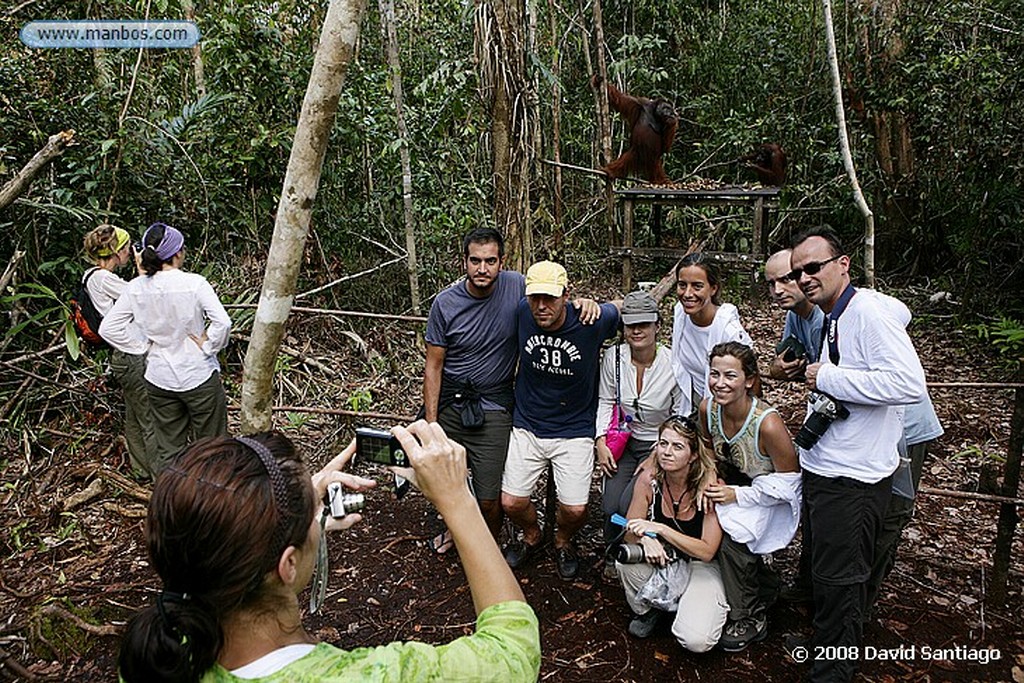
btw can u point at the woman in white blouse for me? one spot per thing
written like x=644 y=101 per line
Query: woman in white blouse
x=699 y=321
x=648 y=395
x=109 y=248
x=176 y=319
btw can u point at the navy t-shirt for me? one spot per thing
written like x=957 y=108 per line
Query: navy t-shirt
x=556 y=388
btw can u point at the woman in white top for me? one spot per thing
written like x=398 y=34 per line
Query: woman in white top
x=176 y=319
x=700 y=320
x=648 y=395
x=109 y=248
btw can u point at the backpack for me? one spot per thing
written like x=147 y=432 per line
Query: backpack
x=85 y=317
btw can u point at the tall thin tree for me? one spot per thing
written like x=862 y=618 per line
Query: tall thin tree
x=301 y=181
x=844 y=147
x=387 y=19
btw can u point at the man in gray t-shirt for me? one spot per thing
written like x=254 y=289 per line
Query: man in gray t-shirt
x=471 y=363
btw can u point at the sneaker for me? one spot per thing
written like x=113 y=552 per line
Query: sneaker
x=611 y=572
x=739 y=634
x=518 y=553
x=568 y=562
x=643 y=626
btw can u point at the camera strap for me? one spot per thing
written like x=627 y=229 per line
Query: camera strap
x=830 y=330
x=618 y=382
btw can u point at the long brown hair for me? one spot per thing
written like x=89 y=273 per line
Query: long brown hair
x=211 y=529
x=699 y=468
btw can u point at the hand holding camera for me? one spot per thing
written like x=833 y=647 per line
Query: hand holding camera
x=333 y=480
x=438 y=465
x=790 y=359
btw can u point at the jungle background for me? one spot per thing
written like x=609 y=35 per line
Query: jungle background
x=200 y=139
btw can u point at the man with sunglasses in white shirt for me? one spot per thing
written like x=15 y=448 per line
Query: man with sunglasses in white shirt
x=867 y=364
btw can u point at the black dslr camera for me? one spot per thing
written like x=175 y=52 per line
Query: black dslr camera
x=824 y=411
x=790 y=349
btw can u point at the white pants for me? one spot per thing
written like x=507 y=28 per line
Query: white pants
x=702 y=607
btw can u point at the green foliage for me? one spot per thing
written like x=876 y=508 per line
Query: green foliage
x=1006 y=335
x=152 y=147
x=360 y=400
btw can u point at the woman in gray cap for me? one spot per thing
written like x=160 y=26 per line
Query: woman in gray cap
x=637 y=376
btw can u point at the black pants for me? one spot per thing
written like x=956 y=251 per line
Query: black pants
x=845 y=516
x=897 y=517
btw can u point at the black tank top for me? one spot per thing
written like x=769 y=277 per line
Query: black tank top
x=691 y=527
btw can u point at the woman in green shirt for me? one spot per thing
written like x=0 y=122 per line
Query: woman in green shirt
x=233 y=531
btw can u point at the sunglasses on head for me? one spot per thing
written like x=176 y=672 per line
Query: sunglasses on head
x=812 y=268
x=686 y=422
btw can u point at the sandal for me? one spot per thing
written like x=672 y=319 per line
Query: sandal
x=441 y=543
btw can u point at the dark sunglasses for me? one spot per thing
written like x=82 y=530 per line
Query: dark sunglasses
x=812 y=268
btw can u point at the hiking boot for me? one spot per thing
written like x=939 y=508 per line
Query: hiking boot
x=739 y=634
x=797 y=593
x=643 y=626
x=518 y=553
x=796 y=646
x=568 y=562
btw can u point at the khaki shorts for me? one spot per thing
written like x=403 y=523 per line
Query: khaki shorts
x=571 y=459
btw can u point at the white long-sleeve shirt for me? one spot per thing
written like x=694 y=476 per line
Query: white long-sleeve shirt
x=692 y=344
x=659 y=399
x=166 y=308
x=878 y=373
x=104 y=288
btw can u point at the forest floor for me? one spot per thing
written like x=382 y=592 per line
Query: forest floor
x=73 y=573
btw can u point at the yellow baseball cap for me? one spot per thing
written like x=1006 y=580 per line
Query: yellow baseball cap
x=546 y=277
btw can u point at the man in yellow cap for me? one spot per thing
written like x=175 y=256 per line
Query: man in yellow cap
x=555 y=408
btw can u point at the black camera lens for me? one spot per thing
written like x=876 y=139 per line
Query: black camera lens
x=812 y=430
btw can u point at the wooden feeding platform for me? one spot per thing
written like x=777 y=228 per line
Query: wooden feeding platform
x=760 y=200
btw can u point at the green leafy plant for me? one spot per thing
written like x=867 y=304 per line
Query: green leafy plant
x=360 y=400
x=1006 y=335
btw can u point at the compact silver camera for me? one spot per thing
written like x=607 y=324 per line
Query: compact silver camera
x=341 y=503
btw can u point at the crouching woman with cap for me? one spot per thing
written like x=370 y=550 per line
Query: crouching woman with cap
x=233 y=531
x=177 y=321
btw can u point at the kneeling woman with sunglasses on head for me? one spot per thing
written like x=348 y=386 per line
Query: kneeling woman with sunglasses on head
x=679 y=541
x=233 y=531
x=758 y=493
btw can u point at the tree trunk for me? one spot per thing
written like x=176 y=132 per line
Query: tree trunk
x=189 y=10
x=882 y=50
x=302 y=178
x=604 y=120
x=387 y=14
x=53 y=148
x=556 y=120
x=499 y=39
x=844 y=147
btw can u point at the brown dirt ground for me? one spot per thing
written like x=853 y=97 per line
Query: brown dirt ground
x=71 y=579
